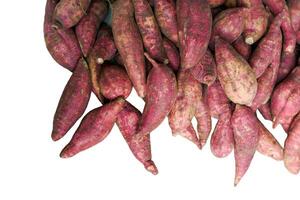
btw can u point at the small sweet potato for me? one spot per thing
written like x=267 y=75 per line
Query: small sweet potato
x=172 y=54
x=235 y=75
x=69 y=12
x=267 y=143
x=73 y=101
x=149 y=30
x=242 y=47
x=87 y=28
x=276 y=6
x=265 y=111
x=160 y=98
x=127 y=121
x=129 y=44
x=205 y=71
x=94 y=128
x=294 y=9
x=194 y=30
x=165 y=13
x=61 y=43
x=114 y=82
x=246 y=138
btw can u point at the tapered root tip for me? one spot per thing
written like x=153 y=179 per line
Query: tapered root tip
x=202 y=143
x=151 y=167
x=236 y=181
x=55 y=137
x=249 y=40
x=67 y=152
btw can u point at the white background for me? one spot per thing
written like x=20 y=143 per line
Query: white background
x=30 y=168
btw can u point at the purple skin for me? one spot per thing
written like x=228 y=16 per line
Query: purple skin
x=94 y=128
x=149 y=30
x=68 y=13
x=294 y=10
x=265 y=111
x=129 y=44
x=194 y=30
x=61 y=43
x=87 y=28
x=160 y=98
x=73 y=101
x=127 y=121
x=172 y=54
x=206 y=70
x=242 y=47
x=246 y=137
x=165 y=13
x=276 y=6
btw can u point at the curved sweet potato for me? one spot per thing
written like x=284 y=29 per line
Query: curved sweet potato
x=172 y=54
x=194 y=29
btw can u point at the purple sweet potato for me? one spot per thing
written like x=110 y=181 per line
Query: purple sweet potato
x=205 y=71
x=149 y=30
x=242 y=47
x=165 y=13
x=172 y=54
x=265 y=111
x=235 y=74
x=73 y=101
x=215 y=3
x=87 y=28
x=194 y=30
x=267 y=50
x=292 y=148
x=103 y=49
x=276 y=6
x=61 y=43
x=285 y=102
x=114 y=82
x=160 y=98
x=127 y=121
x=294 y=9
x=94 y=128
x=129 y=44
x=188 y=95
x=69 y=12
x=246 y=137
x=221 y=143
x=267 y=144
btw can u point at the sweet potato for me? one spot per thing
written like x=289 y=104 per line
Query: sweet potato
x=265 y=111
x=127 y=121
x=294 y=9
x=267 y=50
x=114 y=82
x=276 y=6
x=242 y=47
x=94 y=128
x=246 y=137
x=215 y=3
x=205 y=71
x=103 y=49
x=235 y=75
x=292 y=148
x=285 y=102
x=73 y=101
x=160 y=98
x=194 y=29
x=149 y=30
x=61 y=43
x=129 y=44
x=172 y=54
x=87 y=28
x=69 y=12
x=267 y=143
x=165 y=13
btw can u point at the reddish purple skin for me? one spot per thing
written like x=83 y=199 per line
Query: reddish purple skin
x=276 y=6
x=266 y=52
x=194 y=30
x=127 y=121
x=161 y=96
x=265 y=111
x=87 y=28
x=149 y=30
x=61 y=43
x=242 y=47
x=165 y=13
x=172 y=54
x=114 y=82
x=94 y=128
x=73 y=101
x=288 y=56
x=294 y=9
x=206 y=70
x=69 y=12
x=221 y=143
x=129 y=44
x=246 y=137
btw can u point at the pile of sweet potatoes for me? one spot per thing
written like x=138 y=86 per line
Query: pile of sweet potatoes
x=186 y=59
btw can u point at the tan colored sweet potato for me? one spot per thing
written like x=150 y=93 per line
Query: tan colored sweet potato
x=129 y=44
